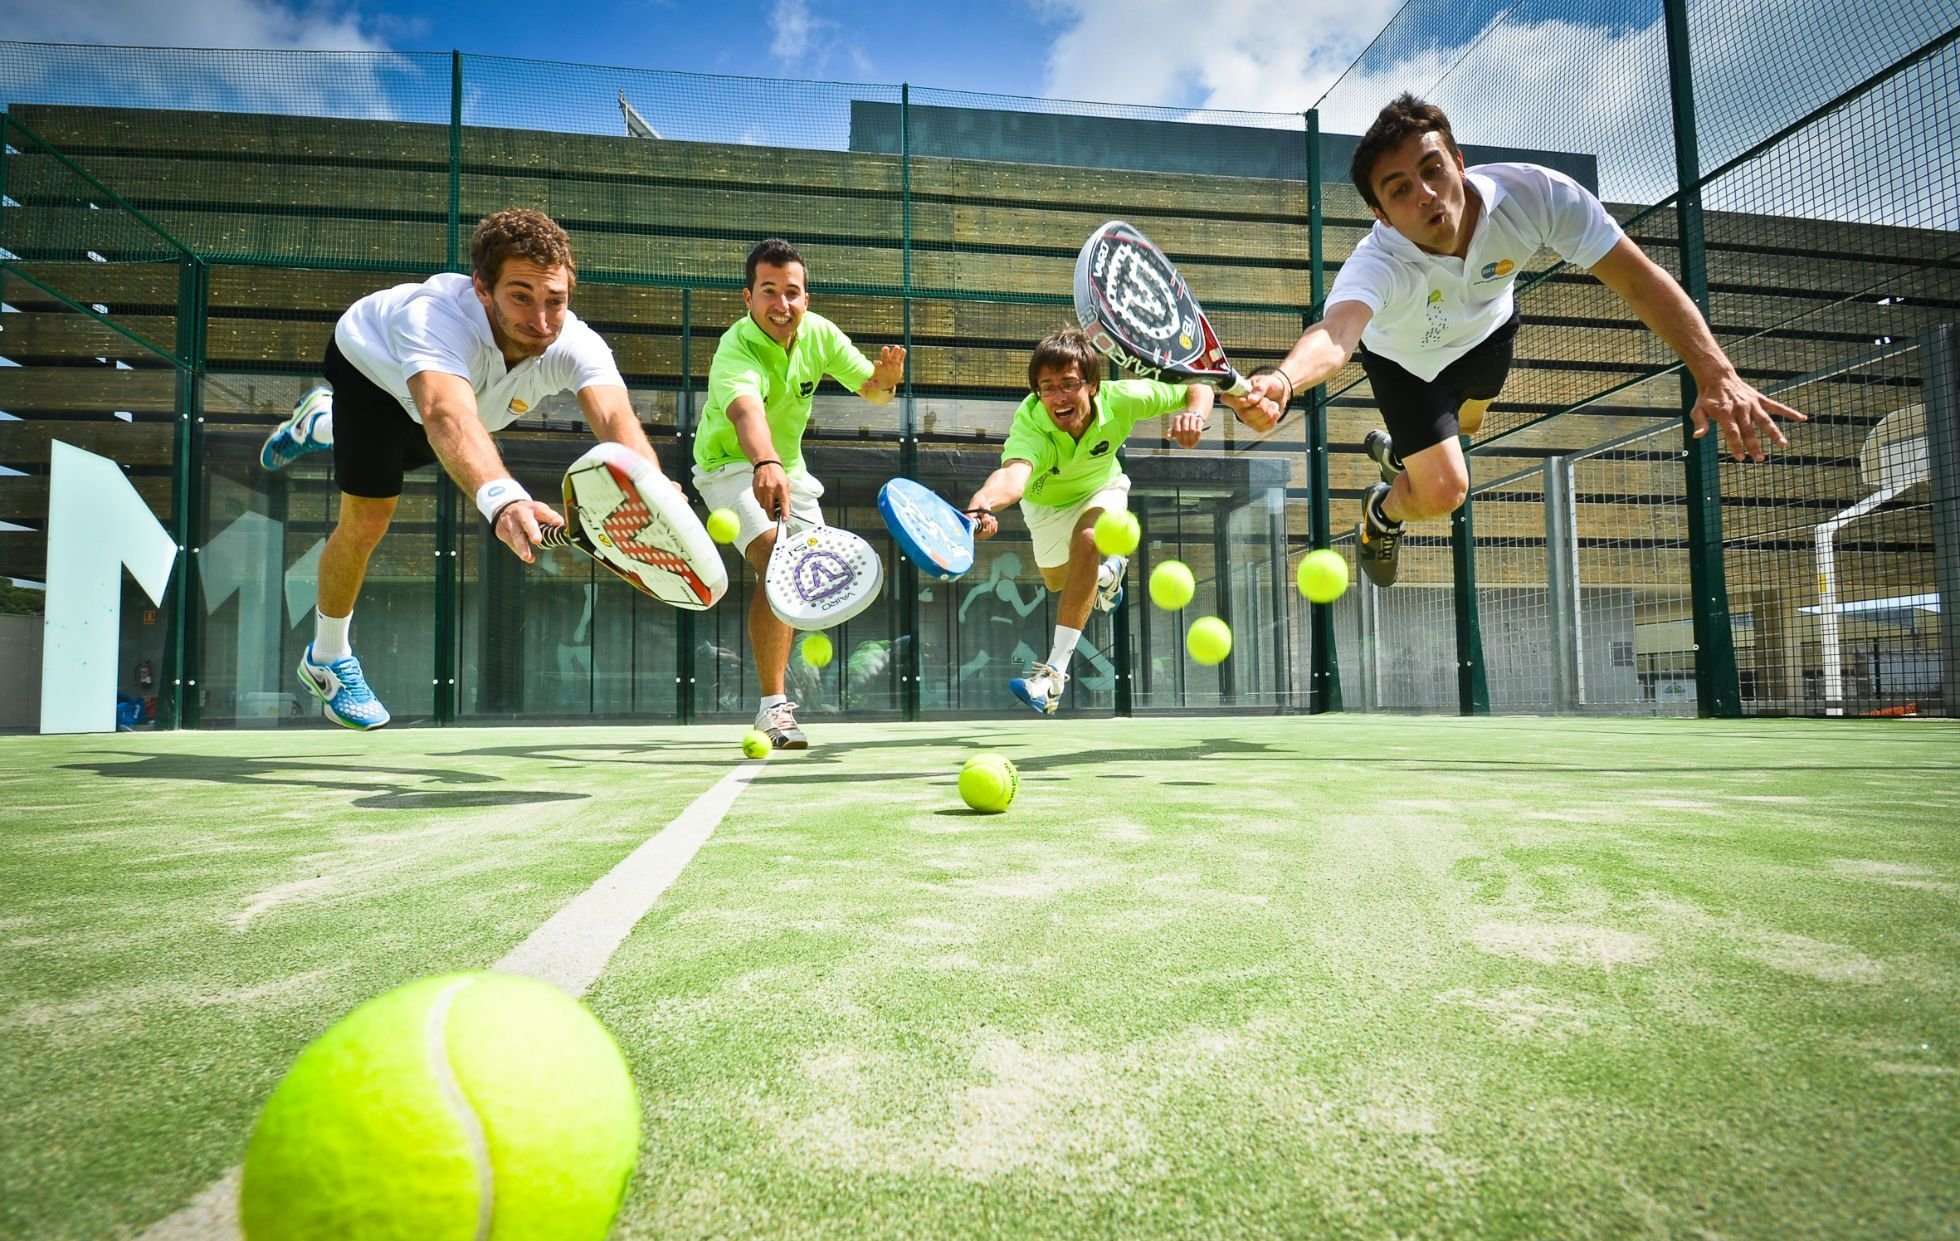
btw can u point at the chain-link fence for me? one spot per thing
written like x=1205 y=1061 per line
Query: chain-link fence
x=195 y=222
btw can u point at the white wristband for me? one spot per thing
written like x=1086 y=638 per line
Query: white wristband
x=494 y=496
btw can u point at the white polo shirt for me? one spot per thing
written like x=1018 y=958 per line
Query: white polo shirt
x=1431 y=309
x=439 y=325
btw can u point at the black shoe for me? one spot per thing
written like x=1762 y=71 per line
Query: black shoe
x=1381 y=450
x=1379 y=546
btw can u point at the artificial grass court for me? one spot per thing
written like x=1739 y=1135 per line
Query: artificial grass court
x=1326 y=976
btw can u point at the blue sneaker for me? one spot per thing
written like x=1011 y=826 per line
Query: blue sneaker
x=344 y=691
x=1109 y=583
x=309 y=430
x=1041 y=689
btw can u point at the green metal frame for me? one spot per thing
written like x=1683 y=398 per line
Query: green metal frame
x=1718 y=690
x=1472 y=684
x=1324 y=669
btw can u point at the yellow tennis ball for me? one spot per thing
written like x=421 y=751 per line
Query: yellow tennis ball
x=988 y=782
x=723 y=525
x=817 y=650
x=1323 y=575
x=1117 y=532
x=461 y=1105
x=755 y=744
x=1209 y=641
x=1171 y=585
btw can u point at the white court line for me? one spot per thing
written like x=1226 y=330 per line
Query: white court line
x=569 y=951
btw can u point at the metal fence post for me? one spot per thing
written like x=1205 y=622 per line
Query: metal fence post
x=1324 y=673
x=1562 y=585
x=1718 y=690
x=1940 y=367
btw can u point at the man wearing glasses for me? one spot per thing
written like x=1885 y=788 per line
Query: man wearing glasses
x=1060 y=462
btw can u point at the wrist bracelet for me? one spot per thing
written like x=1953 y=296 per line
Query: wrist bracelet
x=1283 y=378
x=771 y=461
x=493 y=497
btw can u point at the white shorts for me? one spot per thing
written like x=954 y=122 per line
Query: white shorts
x=733 y=487
x=1051 y=528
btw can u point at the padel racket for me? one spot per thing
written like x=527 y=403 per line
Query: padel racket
x=819 y=576
x=934 y=535
x=1139 y=313
x=623 y=514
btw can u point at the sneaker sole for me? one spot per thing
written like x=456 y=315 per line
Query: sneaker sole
x=1021 y=693
x=326 y=704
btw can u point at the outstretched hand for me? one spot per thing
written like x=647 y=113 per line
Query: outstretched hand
x=889 y=369
x=1744 y=416
x=1186 y=429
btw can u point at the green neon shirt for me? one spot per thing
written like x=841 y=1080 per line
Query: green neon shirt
x=748 y=363
x=1068 y=471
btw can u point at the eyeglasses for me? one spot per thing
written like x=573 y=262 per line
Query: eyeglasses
x=1068 y=387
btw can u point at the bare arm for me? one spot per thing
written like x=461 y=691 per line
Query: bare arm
x=1002 y=488
x=751 y=423
x=1721 y=396
x=614 y=421
x=886 y=374
x=1314 y=359
x=1186 y=425
x=448 y=407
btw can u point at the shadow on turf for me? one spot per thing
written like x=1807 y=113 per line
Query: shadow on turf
x=279 y=771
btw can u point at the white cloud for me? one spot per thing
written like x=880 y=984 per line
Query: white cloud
x=1258 y=55
x=794 y=26
x=198 y=23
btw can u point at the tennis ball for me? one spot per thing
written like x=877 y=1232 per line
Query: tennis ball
x=988 y=782
x=1171 y=585
x=461 y=1105
x=1209 y=641
x=755 y=744
x=1323 y=575
x=817 y=650
x=723 y=525
x=1117 y=532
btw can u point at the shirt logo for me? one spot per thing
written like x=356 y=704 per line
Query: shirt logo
x=1435 y=297
x=517 y=406
x=1502 y=267
x=806 y=387
x=1100 y=450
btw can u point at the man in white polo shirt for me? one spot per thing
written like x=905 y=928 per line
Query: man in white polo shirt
x=1427 y=296
x=424 y=373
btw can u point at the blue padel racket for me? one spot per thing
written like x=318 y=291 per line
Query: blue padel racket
x=932 y=533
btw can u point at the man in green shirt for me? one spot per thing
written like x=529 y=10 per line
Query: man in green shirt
x=748 y=451
x=1060 y=462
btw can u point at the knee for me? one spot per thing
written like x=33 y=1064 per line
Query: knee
x=363 y=526
x=1438 y=495
x=1083 y=545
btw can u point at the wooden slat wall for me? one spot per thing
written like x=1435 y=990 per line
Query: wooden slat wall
x=296 y=191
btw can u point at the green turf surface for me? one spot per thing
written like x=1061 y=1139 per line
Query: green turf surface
x=1335 y=976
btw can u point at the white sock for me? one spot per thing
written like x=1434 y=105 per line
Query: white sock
x=773 y=700
x=1065 y=640
x=330 y=637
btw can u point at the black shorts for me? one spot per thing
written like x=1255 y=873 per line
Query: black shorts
x=1422 y=413
x=375 y=442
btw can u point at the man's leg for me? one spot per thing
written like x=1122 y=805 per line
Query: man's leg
x=769 y=642
x=1432 y=484
x=328 y=668
x=1075 y=583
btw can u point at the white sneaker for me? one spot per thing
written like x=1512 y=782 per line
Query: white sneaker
x=779 y=722
x=1041 y=689
x=1109 y=583
x=308 y=430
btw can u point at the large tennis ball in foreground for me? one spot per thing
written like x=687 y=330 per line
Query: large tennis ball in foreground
x=1171 y=585
x=1209 y=641
x=988 y=782
x=756 y=744
x=1323 y=575
x=465 y=1105
x=724 y=525
x=817 y=650
x=1117 y=532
